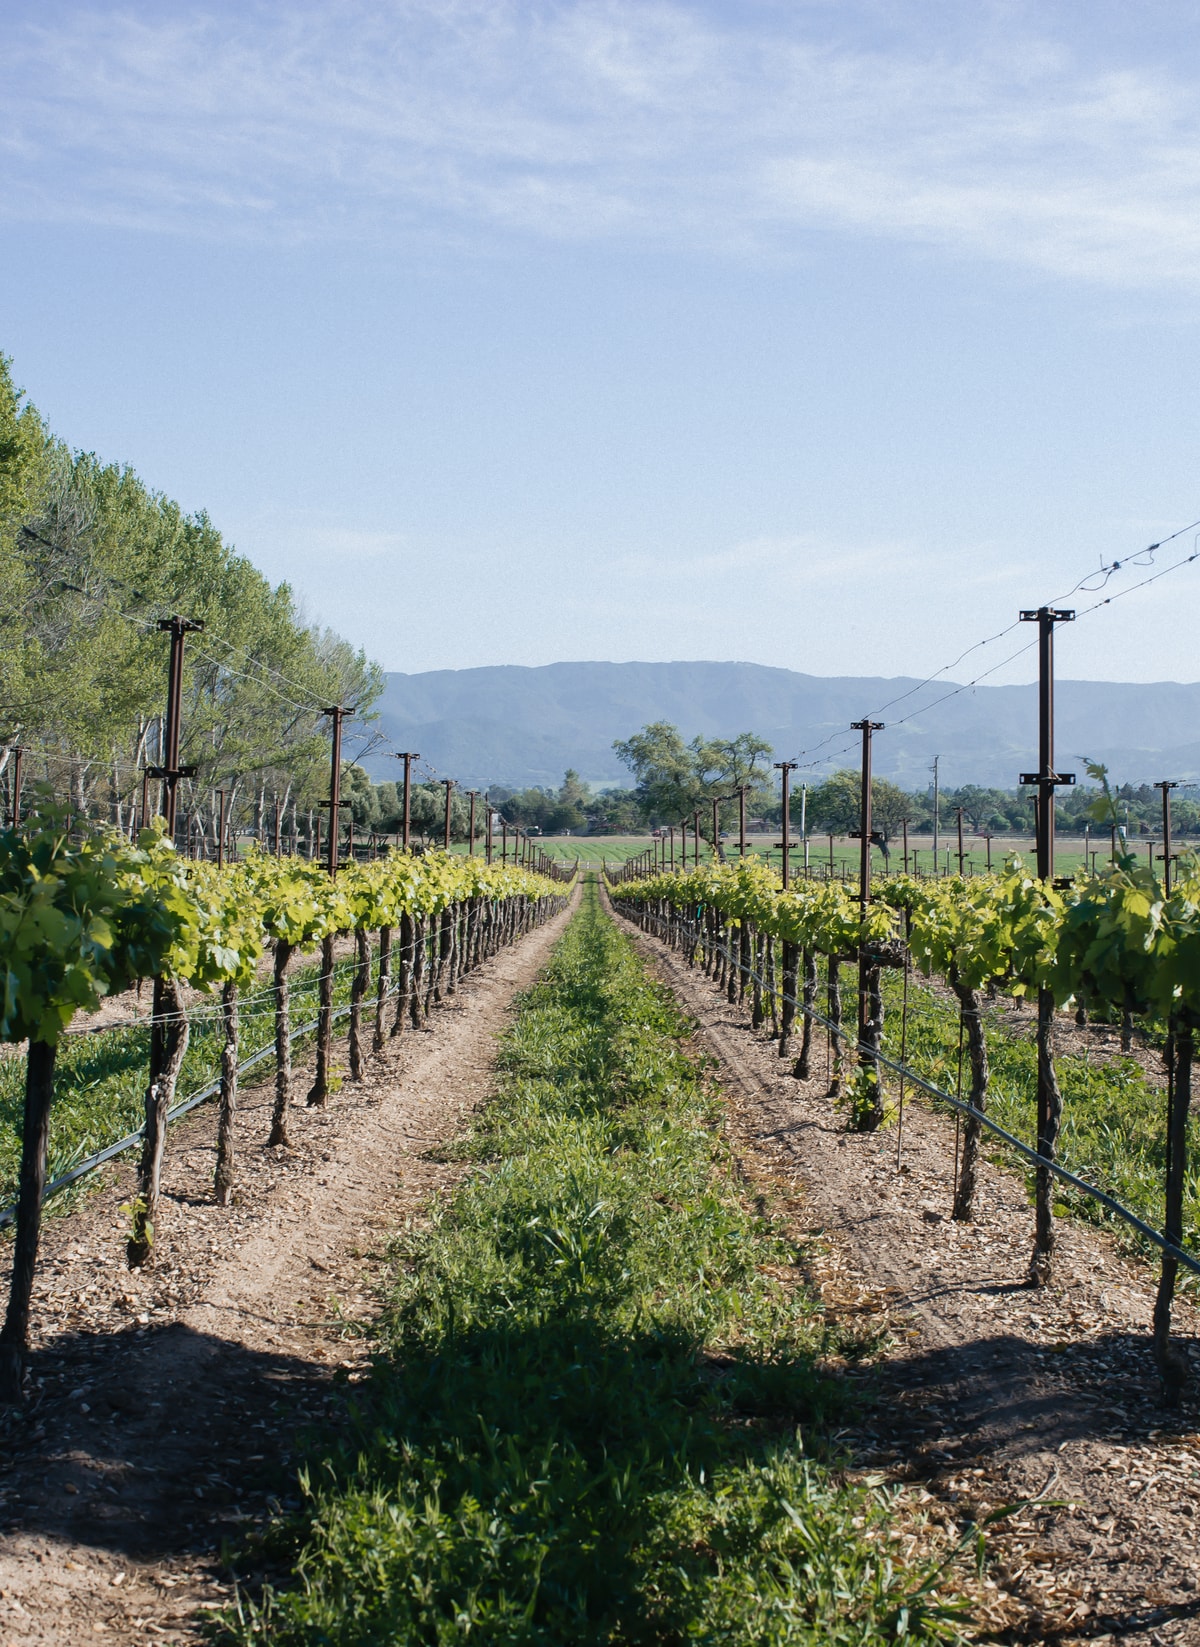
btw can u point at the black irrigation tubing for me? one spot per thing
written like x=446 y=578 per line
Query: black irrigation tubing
x=82 y=1168
x=196 y=1098
x=911 y=1074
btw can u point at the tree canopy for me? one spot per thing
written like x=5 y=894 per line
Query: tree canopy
x=90 y=560
x=674 y=779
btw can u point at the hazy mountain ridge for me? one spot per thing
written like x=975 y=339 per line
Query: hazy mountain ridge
x=516 y=725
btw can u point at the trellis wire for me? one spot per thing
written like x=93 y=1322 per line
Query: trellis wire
x=963 y=1107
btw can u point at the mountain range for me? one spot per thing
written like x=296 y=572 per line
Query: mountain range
x=518 y=726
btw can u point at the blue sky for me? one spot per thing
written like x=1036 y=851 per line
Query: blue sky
x=816 y=334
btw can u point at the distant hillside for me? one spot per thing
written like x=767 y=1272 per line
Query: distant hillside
x=519 y=726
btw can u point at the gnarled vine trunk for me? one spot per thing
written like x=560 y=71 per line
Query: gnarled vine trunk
x=318 y=1093
x=801 y=1070
x=283 y=1044
x=227 y=1111
x=968 y=1171
x=383 y=984
x=39 y=1096
x=1049 y=1102
x=1172 y=1362
x=168 y=1044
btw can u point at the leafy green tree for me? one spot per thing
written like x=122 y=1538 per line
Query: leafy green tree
x=835 y=806
x=674 y=779
x=90 y=560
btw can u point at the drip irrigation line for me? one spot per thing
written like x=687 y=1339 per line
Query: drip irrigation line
x=966 y=1108
x=82 y=1168
x=90 y=1164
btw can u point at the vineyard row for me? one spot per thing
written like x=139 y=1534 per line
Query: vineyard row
x=81 y=920
x=1113 y=942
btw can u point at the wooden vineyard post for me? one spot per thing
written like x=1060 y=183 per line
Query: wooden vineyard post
x=1049 y=1098
x=868 y=1115
x=1172 y=1362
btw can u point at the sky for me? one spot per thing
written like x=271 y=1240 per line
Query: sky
x=818 y=333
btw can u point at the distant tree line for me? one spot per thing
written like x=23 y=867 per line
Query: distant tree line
x=674 y=779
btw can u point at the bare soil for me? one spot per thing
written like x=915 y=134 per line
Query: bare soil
x=988 y=1391
x=169 y=1405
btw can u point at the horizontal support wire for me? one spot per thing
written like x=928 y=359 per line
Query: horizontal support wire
x=82 y=1168
x=910 y=1074
x=196 y=1098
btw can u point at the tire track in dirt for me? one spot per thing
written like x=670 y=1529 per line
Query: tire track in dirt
x=991 y=1391
x=169 y=1407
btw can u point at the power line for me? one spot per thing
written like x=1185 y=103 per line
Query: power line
x=1105 y=572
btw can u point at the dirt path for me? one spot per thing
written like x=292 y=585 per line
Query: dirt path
x=990 y=1391
x=169 y=1405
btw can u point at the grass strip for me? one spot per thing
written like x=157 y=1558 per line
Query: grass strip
x=585 y=1420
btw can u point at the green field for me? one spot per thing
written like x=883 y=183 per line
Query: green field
x=616 y=849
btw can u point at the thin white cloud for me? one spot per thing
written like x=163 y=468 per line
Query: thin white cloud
x=630 y=119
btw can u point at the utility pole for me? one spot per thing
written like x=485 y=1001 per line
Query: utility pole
x=804 y=824
x=1047 y=779
x=864 y=830
x=936 y=811
x=865 y=1038
x=18 y=761
x=1166 y=785
x=170 y=770
x=408 y=758
x=337 y=714
x=785 y=770
x=472 y=793
x=449 y=786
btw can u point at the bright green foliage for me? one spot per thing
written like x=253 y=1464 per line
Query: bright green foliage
x=81 y=922
x=674 y=778
x=76 y=924
x=820 y=915
x=982 y=929
x=583 y=1423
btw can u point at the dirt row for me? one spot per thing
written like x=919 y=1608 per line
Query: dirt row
x=988 y=1391
x=169 y=1405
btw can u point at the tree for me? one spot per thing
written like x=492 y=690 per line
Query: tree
x=663 y=770
x=835 y=806
x=90 y=560
x=674 y=779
